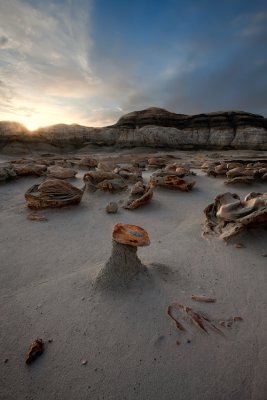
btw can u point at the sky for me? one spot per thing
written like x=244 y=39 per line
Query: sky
x=91 y=61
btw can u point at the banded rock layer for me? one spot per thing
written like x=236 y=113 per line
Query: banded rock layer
x=153 y=127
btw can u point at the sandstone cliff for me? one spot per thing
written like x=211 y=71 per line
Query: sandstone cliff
x=153 y=127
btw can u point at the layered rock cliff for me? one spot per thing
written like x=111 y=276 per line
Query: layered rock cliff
x=153 y=127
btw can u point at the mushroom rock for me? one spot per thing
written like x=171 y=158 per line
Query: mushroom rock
x=53 y=193
x=123 y=266
x=229 y=215
x=56 y=171
x=172 y=182
x=145 y=198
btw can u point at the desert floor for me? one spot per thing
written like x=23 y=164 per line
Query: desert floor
x=129 y=342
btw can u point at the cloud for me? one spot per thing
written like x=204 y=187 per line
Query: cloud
x=54 y=68
x=48 y=55
x=3 y=41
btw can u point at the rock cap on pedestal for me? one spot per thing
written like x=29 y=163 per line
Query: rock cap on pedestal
x=131 y=235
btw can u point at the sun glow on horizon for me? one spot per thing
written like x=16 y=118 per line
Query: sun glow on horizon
x=42 y=120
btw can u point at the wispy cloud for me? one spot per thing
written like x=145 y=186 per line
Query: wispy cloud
x=47 y=58
x=54 y=67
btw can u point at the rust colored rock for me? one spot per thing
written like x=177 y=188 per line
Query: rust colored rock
x=131 y=235
x=35 y=350
x=172 y=182
x=53 y=193
x=145 y=198
x=123 y=265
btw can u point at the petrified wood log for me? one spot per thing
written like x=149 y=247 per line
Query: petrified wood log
x=123 y=265
x=53 y=193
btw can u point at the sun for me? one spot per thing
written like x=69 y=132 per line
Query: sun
x=34 y=122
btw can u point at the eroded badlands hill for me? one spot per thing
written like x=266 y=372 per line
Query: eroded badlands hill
x=153 y=127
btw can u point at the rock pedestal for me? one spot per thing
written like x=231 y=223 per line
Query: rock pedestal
x=123 y=266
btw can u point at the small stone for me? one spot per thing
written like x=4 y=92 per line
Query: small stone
x=112 y=207
x=188 y=341
x=6 y=360
x=50 y=340
x=264 y=255
x=84 y=362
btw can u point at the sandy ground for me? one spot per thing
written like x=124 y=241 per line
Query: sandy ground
x=126 y=337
